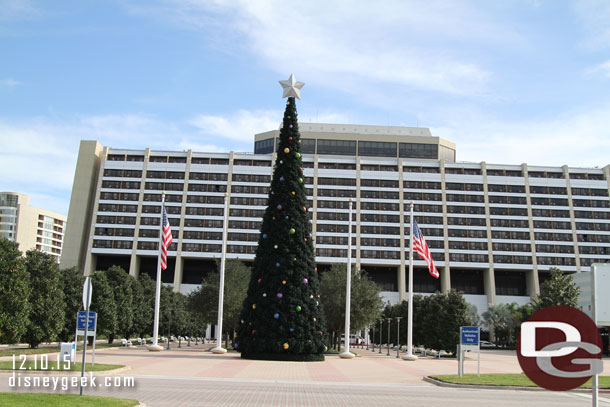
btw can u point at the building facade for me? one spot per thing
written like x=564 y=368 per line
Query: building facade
x=32 y=228
x=494 y=230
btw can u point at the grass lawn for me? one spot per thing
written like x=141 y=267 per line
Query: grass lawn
x=53 y=349
x=61 y=400
x=52 y=366
x=508 y=379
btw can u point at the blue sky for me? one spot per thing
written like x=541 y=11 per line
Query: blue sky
x=508 y=81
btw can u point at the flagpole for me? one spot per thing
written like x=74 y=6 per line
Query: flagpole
x=348 y=288
x=221 y=290
x=409 y=355
x=155 y=345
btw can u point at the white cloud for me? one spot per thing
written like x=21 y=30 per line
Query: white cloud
x=9 y=83
x=341 y=45
x=601 y=69
x=240 y=126
x=38 y=157
x=580 y=139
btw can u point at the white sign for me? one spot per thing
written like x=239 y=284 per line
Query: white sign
x=67 y=352
x=87 y=302
x=593 y=300
x=601 y=284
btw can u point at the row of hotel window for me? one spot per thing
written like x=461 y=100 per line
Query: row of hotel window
x=161 y=186
x=363 y=167
x=376 y=206
x=364 y=217
x=364 y=231
x=517 y=200
x=365 y=254
x=368 y=241
x=364 y=182
x=363 y=148
x=346 y=166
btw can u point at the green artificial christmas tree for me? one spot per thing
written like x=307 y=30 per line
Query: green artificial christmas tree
x=282 y=316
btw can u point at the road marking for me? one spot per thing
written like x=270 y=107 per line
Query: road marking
x=588 y=396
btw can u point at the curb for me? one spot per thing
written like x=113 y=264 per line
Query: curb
x=64 y=373
x=439 y=383
x=478 y=386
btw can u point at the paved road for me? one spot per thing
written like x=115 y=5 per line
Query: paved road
x=190 y=392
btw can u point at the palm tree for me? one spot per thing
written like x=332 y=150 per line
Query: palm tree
x=496 y=317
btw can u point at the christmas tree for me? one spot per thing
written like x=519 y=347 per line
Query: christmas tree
x=282 y=316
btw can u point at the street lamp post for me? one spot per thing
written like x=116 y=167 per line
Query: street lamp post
x=348 y=288
x=380 y=334
x=219 y=349
x=368 y=334
x=169 y=327
x=373 y=338
x=389 y=323
x=398 y=336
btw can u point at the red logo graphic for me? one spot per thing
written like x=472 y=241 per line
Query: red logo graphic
x=559 y=348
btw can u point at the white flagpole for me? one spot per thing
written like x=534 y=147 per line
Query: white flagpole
x=221 y=290
x=409 y=355
x=348 y=288
x=155 y=345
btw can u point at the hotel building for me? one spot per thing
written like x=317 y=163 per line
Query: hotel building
x=494 y=230
x=32 y=228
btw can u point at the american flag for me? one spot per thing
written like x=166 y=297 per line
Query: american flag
x=421 y=247
x=166 y=239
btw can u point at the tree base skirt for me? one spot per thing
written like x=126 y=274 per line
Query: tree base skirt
x=289 y=357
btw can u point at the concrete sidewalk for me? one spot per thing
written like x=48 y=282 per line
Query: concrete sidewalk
x=367 y=367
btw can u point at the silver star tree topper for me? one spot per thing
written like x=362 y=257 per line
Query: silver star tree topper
x=292 y=87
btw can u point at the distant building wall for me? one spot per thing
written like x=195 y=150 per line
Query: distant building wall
x=31 y=227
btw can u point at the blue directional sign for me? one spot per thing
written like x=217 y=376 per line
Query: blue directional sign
x=80 y=321
x=469 y=335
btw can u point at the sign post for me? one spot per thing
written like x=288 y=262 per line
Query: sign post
x=592 y=301
x=600 y=311
x=469 y=340
x=87 y=291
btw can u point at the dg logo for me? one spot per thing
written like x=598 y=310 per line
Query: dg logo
x=560 y=348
